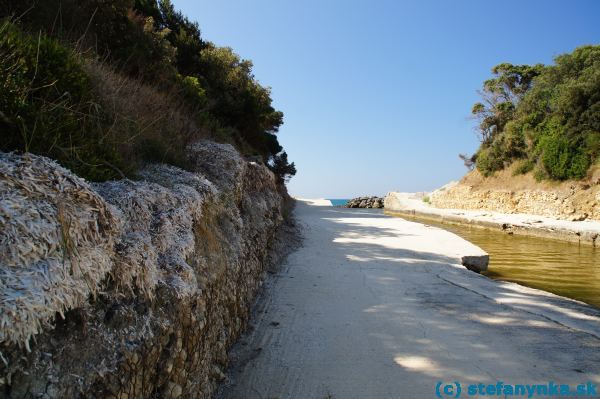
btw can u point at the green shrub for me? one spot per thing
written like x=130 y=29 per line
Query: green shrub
x=592 y=143
x=547 y=114
x=489 y=160
x=514 y=141
x=282 y=168
x=193 y=91
x=48 y=107
x=540 y=174
x=563 y=159
x=523 y=167
x=81 y=113
x=556 y=156
x=150 y=43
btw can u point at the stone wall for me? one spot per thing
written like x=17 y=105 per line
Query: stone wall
x=129 y=289
x=577 y=202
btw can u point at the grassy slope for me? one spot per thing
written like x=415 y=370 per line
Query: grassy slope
x=115 y=84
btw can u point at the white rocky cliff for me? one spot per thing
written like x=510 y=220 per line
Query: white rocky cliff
x=129 y=289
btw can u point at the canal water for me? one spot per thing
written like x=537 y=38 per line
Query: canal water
x=563 y=268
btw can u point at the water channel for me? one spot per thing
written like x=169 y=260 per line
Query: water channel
x=563 y=268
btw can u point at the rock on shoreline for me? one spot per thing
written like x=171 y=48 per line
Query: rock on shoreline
x=365 y=202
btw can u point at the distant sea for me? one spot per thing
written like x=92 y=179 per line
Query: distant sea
x=338 y=202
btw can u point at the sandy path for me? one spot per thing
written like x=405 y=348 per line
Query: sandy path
x=378 y=307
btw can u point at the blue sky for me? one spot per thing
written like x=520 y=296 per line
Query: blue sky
x=377 y=94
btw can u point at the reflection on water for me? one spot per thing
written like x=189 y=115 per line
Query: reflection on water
x=563 y=268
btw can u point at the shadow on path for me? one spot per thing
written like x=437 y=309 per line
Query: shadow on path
x=379 y=307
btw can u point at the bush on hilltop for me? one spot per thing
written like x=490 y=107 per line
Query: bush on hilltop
x=547 y=118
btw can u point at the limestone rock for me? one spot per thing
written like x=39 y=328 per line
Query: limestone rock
x=581 y=202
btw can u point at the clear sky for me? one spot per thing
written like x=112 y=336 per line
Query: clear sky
x=377 y=94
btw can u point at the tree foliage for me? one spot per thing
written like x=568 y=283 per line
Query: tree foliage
x=152 y=41
x=548 y=117
x=282 y=168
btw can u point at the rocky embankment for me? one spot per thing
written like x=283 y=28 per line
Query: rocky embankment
x=130 y=289
x=416 y=204
x=365 y=202
x=573 y=201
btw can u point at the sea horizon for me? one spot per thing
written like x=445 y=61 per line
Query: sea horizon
x=338 y=201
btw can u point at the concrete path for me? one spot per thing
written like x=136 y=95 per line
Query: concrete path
x=378 y=307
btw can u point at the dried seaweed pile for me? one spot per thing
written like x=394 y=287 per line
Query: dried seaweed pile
x=56 y=239
x=153 y=278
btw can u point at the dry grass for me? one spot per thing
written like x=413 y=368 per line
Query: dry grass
x=507 y=180
x=145 y=121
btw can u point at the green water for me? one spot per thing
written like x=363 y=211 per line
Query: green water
x=563 y=268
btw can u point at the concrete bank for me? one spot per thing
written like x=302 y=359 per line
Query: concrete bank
x=583 y=232
x=378 y=307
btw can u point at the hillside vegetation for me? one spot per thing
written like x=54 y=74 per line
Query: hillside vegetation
x=544 y=119
x=104 y=86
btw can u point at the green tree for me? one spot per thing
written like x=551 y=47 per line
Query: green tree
x=546 y=116
x=239 y=101
x=501 y=95
x=152 y=41
x=282 y=169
